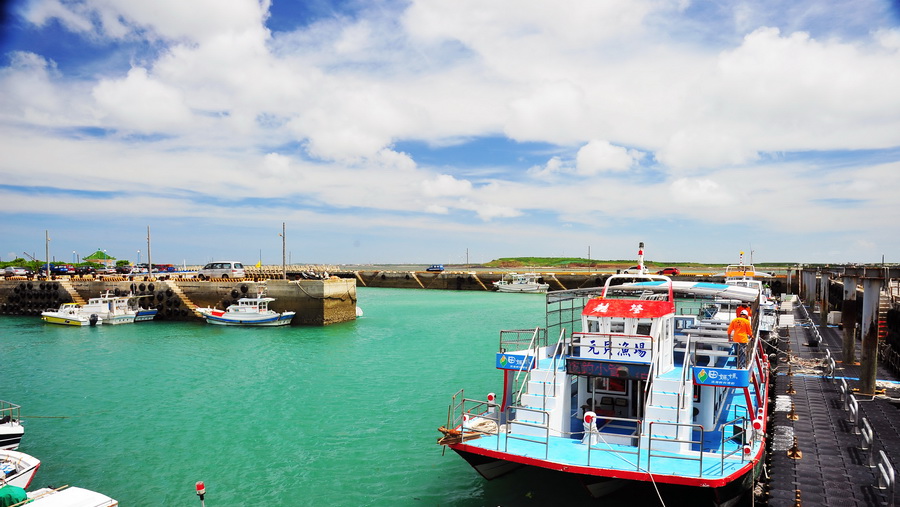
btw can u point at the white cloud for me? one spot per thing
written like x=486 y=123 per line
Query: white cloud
x=605 y=89
x=446 y=185
x=600 y=156
x=140 y=103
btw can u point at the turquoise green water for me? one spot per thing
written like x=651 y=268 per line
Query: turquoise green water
x=340 y=415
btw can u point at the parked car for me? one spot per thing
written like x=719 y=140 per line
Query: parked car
x=106 y=270
x=669 y=271
x=85 y=270
x=123 y=270
x=635 y=270
x=221 y=269
x=17 y=271
x=435 y=267
x=62 y=269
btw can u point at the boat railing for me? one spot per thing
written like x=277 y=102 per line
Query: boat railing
x=10 y=410
x=620 y=450
x=742 y=436
x=543 y=425
x=673 y=456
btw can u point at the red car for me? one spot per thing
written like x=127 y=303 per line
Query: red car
x=668 y=271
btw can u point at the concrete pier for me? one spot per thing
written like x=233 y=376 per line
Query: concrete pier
x=316 y=302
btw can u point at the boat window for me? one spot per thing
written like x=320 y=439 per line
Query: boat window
x=643 y=328
x=616 y=326
x=593 y=326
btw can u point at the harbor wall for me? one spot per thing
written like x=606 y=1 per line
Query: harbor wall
x=316 y=302
x=483 y=280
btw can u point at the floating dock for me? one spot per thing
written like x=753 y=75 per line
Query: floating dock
x=829 y=445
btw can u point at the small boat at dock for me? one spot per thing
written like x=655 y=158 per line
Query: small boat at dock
x=17 y=468
x=251 y=311
x=69 y=314
x=521 y=283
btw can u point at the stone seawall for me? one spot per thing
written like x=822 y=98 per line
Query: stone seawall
x=317 y=302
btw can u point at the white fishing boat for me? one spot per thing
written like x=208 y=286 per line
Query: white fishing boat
x=11 y=429
x=17 y=468
x=69 y=314
x=112 y=309
x=253 y=311
x=521 y=282
x=610 y=393
x=69 y=496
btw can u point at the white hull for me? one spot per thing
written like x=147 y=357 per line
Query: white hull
x=68 y=497
x=70 y=315
x=18 y=467
x=536 y=288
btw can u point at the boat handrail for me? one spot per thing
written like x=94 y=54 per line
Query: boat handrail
x=9 y=409
x=545 y=414
x=532 y=348
x=621 y=450
x=669 y=455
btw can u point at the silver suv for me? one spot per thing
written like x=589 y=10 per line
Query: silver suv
x=221 y=269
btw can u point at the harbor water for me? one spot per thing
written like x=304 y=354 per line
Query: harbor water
x=339 y=415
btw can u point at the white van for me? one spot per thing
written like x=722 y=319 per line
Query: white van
x=221 y=269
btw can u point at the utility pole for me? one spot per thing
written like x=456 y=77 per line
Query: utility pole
x=283 y=265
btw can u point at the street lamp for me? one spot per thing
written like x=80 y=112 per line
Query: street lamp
x=283 y=265
x=139 y=257
x=74 y=256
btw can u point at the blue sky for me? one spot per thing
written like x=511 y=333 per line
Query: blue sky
x=446 y=130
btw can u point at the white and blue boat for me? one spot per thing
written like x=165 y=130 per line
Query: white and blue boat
x=626 y=383
x=253 y=311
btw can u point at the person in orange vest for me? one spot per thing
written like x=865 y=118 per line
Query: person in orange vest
x=739 y=332
x=743 y=308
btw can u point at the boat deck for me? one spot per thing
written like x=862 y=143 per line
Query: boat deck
x=833 y=468
x=610 y=456
x=712 y=455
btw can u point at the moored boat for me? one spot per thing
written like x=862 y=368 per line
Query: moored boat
x=112 y=309
x=521 y=282
x=252 y=311
x=11 y=429
x=69 y=314
x=609 y=392
x=17 y=468
x=69 y=496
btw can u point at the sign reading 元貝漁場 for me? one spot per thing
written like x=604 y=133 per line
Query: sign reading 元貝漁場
x=722 y=377
x=514 y=362
x=612 y=347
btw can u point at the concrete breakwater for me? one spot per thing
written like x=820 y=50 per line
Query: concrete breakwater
x=317 y=302
x=483 y=280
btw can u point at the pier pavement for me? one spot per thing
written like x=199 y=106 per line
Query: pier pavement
x=820 y=453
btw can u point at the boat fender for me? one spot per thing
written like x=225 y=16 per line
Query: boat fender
x=244 y=288
x=142 y=287
x=116 y=292
x=234 y=293
x=169 y=293
x=150 y=287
